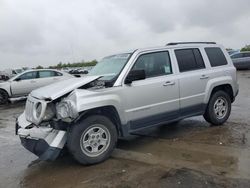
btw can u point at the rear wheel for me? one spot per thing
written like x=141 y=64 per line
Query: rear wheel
x=3 y=97
x=218 y=108
x=92 y=140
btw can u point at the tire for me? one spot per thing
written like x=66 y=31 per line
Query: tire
x=218 y=108
x=92 y=140
x=4 y=97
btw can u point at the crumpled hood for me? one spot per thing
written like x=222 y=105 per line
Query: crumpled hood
x=58 y=89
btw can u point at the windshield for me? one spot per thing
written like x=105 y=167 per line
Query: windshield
x=110 y=66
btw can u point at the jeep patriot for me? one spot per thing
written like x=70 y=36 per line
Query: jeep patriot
x=127 y=92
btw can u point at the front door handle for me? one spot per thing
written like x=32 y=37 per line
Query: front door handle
x=169 y=83
x=204 y=77
x=32 y=81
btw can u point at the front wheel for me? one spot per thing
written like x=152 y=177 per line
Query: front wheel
x=92 y=140
x=3 y=97
x=218 y=108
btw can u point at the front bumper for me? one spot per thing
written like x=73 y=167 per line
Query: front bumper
x=44 y=142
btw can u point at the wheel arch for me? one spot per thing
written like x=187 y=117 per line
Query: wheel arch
x=108 y=111
x=223 y=83
x=4 y=90
x=223 y=87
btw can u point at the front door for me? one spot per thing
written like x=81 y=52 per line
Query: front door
x=24 y=84
x=156 y=99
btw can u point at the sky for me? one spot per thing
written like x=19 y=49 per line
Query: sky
x=46 y=32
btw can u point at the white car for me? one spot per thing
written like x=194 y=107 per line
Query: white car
x=24 y=83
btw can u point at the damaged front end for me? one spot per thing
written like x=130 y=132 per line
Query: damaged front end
x=39 y=130
x=44 y=141
x=43 y=126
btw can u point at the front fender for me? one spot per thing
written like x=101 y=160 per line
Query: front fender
x=88 y=100
x=6 y=87
x=214 y=83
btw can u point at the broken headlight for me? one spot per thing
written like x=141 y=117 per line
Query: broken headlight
x=50 y=112
x=66 y=109
x=38 y=110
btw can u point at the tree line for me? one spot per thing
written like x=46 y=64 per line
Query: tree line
x=245 y=48
x=61 y=65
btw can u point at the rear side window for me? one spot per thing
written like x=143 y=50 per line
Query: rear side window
x=189 y=59
x=216 y=56
x=45 y=74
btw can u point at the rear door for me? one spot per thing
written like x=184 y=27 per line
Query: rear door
x=155 y=99
x=47 y=77
x=193 y=79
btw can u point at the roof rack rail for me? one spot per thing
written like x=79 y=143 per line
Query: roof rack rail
x=176 y=43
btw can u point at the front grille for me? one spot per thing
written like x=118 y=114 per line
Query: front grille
x=29 y=109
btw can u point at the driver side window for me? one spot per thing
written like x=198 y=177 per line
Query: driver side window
x=154 y=64
x=28 y=75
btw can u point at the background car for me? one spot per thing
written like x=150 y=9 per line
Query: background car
x=24 y=83
x=231 y=52
x=78 y=71
x=3 y=76
x=12 y=72
x=241 y=60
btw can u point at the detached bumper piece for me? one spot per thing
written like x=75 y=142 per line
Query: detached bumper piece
x=43 y=141
x=41 y=149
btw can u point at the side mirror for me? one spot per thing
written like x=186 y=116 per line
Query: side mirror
x=18 y=79
x=135 y=75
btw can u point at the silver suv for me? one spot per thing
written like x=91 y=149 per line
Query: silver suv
x=125 y=93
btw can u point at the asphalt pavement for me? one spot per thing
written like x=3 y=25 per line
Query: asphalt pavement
x=189 y=153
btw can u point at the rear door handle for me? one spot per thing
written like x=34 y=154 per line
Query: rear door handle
x=169 y=83
x=204 y=77
x=32 y=81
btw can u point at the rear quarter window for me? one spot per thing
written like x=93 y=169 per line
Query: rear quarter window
x=216 y=56
x=58 y=74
